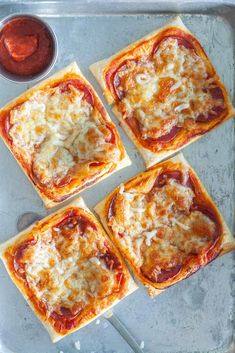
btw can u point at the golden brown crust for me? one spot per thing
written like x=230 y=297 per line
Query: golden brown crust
x=87 y=316
x=143 y=183
x=153 y=292
x=85 y=176
x=152 y=153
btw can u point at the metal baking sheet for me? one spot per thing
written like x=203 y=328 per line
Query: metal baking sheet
x=195 y=315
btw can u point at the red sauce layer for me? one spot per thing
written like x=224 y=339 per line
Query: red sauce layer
x=26 y=46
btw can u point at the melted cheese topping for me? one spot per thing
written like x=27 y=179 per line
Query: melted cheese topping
x=157 y=229
x=166 y=90
x=67 y=270
x=55 y=131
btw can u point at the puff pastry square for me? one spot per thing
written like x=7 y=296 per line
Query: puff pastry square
x=164 y=91
x=165 y=224
x=67 y=269
x=61 y=136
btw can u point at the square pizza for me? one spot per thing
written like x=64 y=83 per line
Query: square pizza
x=165 y=224
x=67 y=269
x=61 y=136
x=164 y=91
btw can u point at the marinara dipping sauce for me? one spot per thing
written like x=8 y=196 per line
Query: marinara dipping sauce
x=28 y=47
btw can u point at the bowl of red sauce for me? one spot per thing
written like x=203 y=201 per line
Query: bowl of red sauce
x=28 y=48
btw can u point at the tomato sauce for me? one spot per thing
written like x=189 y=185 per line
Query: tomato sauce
x=26 y=46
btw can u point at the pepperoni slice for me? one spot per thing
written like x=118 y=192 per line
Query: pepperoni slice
x=206 y=117
x=111 y=210
x=134 y=125
x=163 y=275
x=116 y=83
x=120 y=279
x=216 y=93
x=201 y=118
x=106 y=245
x=208 y=211
x=111 y=261
x=34 y=177
x=71 y=222
x=190 y=184
x=7 y=127
x=63 y=182
x=64 y=87
x=136 y=128
x=166 y=275
x=212 y=252
x=113 y=79
x=66 y=319
x=171 y=174
x=65 y=313
x=96 y=164
x=112 y=138
x=184 y=42
x=181 y=42
x=170 y=135
x=18 y=265
x=63 y=325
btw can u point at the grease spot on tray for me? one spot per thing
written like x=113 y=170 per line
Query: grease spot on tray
x=194 y=297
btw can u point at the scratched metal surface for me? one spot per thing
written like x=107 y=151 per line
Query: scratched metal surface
x=192 y=316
